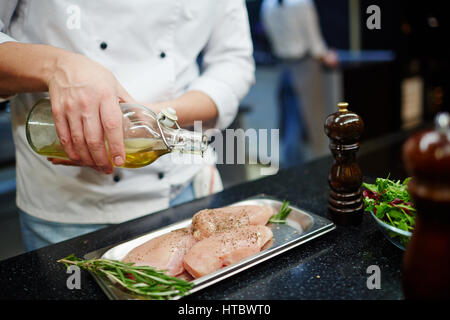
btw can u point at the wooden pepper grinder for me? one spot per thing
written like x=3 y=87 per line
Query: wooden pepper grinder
x=426 y=264
x=345 y=202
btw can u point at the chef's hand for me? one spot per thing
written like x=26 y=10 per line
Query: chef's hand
x=330 y=59
x=85 y=103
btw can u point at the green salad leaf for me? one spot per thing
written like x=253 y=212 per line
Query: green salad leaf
x=391 y=202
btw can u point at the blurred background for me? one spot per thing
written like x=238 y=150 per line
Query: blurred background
x=392 y=72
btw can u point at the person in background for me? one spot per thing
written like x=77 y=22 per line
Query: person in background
x=293 y=30
x=87 y=57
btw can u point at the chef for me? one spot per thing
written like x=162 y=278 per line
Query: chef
x=295 y=36
x=88 y=56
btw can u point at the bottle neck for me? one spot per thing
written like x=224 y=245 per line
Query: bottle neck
x=164 y=126
x=186 y=141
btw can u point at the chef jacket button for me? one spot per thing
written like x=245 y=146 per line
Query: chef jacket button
x=116 y=178
x=160 y=175
x=103 y=45
x=162 y=55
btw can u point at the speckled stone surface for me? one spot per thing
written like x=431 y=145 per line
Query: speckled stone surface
x=332 y=266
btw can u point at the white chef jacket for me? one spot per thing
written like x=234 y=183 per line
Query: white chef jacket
x=151 y=46
x=293 y=28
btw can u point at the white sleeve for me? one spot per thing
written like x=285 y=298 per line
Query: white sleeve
x=7 y=8
x=228 y=62
x=317 y=44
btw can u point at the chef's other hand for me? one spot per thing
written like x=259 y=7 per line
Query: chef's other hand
x=64 y=162
x=85 y=104
x=330 y=59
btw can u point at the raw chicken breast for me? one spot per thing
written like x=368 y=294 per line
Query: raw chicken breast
x=225 y=248
x=185 y=276
x=165 y=252
x=209 y=221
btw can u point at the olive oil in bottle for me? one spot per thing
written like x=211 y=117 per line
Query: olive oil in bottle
x=147 y=136
x=139 y=152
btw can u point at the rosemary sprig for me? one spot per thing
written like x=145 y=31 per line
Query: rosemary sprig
x=141 y=280
x=281 y=216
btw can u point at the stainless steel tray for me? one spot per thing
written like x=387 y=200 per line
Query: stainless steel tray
x=301 y=226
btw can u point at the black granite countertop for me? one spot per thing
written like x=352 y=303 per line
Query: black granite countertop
x=333 y=266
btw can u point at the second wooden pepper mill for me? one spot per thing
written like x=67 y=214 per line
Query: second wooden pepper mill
x=345 y=202
x=426 y=263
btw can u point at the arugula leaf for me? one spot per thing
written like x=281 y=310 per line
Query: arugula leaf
x=370 y=187
x=380 y=210
x=405 y=182
x=391 y=202
x=402 y=225
x=396 y=214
